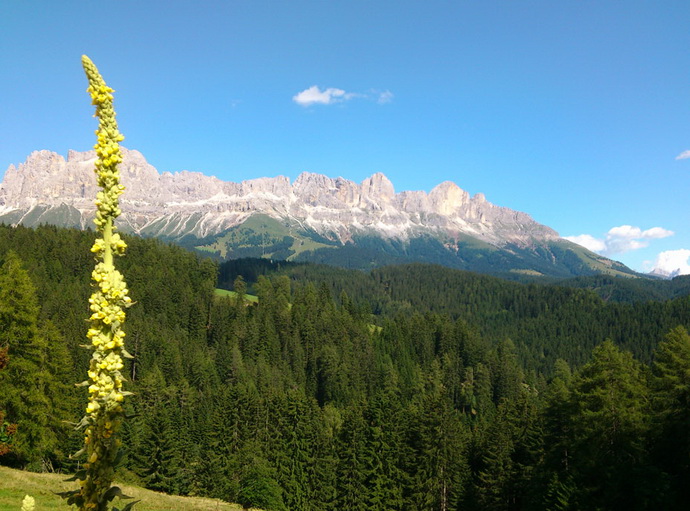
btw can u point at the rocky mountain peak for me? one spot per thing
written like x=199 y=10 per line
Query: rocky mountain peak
x=479 y=199
x=277 y=186
x=448 y=198
x=378 y=186
x=311 y=188
x=77 y=156
x=183 y=203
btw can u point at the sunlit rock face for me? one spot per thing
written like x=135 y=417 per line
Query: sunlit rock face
x=48 y=188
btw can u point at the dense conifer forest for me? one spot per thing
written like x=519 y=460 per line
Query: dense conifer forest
x=408 y=387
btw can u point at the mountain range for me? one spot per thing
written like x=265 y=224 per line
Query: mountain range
x=315 y=218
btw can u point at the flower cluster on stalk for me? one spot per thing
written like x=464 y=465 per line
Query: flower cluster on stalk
x=104 y=412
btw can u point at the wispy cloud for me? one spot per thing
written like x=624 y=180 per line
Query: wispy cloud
x=684 y=155
x=315 y=96
x=384 y=97
x=672 y=263
x=620 y=239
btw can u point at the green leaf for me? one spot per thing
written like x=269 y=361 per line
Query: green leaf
x=128 y=507
x=73 y=497
x=113 y=492
x=80 y=475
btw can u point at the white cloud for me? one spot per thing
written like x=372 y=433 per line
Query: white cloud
x=588 y=241
x=657 y=233
x=385 y=97
x=620 y=239
x=626 y=238
x=315 y=96
x=672 y=263
x=684 y=155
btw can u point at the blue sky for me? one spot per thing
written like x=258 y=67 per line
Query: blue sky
x=575 y=112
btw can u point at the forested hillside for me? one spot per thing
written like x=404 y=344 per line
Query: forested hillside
x=563 y=319
x=407 y=388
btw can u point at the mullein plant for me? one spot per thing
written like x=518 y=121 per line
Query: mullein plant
x=104 y=412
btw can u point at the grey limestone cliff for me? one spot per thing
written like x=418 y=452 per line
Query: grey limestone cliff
x=182 y=203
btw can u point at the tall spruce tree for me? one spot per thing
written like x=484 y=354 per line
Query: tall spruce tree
x=610 y=424
x=512 y=448
x=439 y=468
x=33 y=395
x=352 y=460
x=556 y=471
x=293 y=444
x=156 y=458
x=158 y=455
x=385 y=452
x=671 y=402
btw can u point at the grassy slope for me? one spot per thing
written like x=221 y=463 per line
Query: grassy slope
x=261 y=225
x=233 y=294
x=14 y=484
x=598 y=263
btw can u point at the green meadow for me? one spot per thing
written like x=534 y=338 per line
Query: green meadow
x=15 y=484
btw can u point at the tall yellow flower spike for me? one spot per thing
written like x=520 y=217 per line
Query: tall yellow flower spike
x=104 y=412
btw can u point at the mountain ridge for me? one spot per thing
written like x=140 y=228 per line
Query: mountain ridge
x=445 y=225
x=312 y=199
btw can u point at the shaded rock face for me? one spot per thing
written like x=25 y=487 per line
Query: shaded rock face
x=192 y=203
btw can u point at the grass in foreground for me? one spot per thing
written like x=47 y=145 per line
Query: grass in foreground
x=14 y=484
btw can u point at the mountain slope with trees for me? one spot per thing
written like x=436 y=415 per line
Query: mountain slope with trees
x=409 y=388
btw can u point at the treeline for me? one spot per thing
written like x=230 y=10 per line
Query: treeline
x=548 y=321
x=628 y=290
x=308 y=401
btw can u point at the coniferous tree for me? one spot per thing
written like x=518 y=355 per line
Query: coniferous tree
x=512 y=448
x=293 y=445
x=218 y=472
x=506 y=372
x=33 y=394
x=476 y=395
x=7 y=430
x=352 y=462
x=671 y=403
x=610 y=424
x=556 y=472
x=385 y=452
x=258 y=486
x=158 y=455
x=439 y=468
